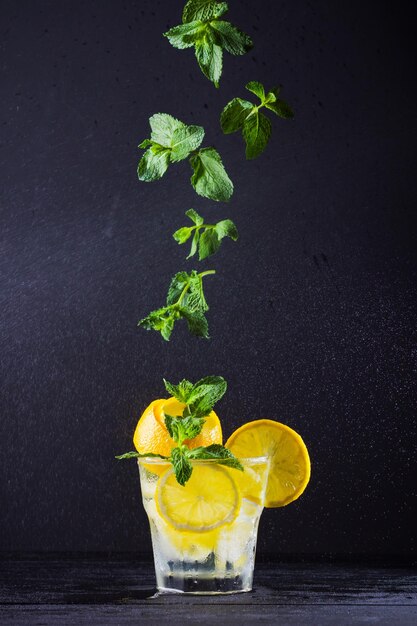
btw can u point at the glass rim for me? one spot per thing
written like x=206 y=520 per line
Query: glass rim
x=252 y=460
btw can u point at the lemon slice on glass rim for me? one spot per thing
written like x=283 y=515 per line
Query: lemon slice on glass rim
x=208 y=500
x=289 y=470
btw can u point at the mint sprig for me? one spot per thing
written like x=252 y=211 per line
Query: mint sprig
x=256 y=128
x=185 y=300
x=173 y=141
x=199 y=399
x=205 y=237
x=210 y=36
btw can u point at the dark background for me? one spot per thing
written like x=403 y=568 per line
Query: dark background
x=312 y=316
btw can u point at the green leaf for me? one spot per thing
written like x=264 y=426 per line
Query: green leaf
x=217 y=452
x=205 y=394
x=210 y=59
x=145 y=143
x=231 y=38
x=210 y=179
x=137 y=455
x=234 y=115
x=194 y=217
x=184 y=35
x=177 y=284
x=161 y=320
x=226 y=228
x=195 y=300
x=182 y=428
x=209 y=243
x=180 y=391
x=182 y=466
x=197 y=323
x=257 y=89
x=153 y=166
x=194 y=244
x=163 y=127
x=203 y=10
x=185 y=299
x=185 y=140
x=256 y=133
x=281 y=108
x=182 y=234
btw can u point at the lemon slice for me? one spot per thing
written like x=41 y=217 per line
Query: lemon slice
x=289 y=470
x=208 y=500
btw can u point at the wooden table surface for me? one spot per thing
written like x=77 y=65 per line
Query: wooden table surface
x=95 y=590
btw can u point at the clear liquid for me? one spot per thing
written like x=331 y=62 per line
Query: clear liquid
x=211 y=562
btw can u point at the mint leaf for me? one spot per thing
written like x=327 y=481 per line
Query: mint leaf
x=257 y=89
x=185 y=140
x=181 y=391
x=163 y=127
x=182 y=466
x=183 y=234
x=137 y=455
x=231 y=38
x=161 y=320
x=184 y=35
x=178 y=283
x=209 y=244
x=194 y=244
x=210 y=179
x=182 y=428
x=194 y=217
x=145 y=143
x=256 y=132
x=256 y=128
x=280 y=108
x=234 y=115
x=226 y=228
x=210 y=58
x=153 y=164
x=185 y=300
x=195 y=300
x=197 y=323
x=205 y=394
x=218 y=452
x=207 y=237
x=203 y=10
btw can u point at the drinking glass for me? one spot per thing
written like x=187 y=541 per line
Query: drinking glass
x=204 y=556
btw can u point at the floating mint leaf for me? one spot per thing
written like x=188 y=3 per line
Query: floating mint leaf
x=185 y=300
x=231 y=38
x=257 y=89
x=203 y=10
x=210 y=59
x=153 y=164
x=185 y=140
x=256 y=128
x=207 y=237
x=234 y=115
x=210 y=179
x=203 y=29
x=256 y=132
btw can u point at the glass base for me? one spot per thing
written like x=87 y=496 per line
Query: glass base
x=202 y=585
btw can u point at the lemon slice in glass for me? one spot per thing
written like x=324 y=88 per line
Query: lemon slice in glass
x=207 y=501
x=289 y=470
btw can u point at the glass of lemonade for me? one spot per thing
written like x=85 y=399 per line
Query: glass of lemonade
x=204 y=533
